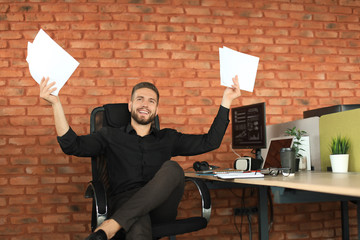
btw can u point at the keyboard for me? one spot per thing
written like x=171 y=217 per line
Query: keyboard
x=228 y=171
x=238 y=174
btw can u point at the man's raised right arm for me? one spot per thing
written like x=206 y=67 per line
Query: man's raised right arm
x=61 y=123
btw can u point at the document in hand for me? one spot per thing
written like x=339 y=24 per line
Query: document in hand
x=236 y=63
x=47 y=59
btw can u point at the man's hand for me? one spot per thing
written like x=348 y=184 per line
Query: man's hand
x=46 y=90
x=231 y=93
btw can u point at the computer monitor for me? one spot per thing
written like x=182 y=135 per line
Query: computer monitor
x=249 y=127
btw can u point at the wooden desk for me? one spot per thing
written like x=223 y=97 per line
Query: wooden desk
x=319 y=186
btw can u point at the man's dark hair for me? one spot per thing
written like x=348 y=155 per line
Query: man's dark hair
x=145 y=85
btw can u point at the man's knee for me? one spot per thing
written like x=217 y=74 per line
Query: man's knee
x=174 y=169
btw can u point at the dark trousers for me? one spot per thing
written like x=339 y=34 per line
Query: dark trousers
x=156 y=202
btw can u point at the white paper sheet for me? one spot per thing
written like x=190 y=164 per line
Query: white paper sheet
x=236 y=63
x=47 y=59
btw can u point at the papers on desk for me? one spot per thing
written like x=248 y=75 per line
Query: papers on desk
x=234 y=175
x=236 y=63
x=47 y=59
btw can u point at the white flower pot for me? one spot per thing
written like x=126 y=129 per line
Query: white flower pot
x=339 y=163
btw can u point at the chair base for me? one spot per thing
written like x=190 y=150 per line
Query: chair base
x=172 y=229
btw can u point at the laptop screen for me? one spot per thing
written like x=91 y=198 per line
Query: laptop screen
x=272 y=159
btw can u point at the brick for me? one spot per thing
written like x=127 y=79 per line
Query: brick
x=154 y=73
x=65 y=17
x=83 y=8
x=183 y=55
x=155 y=54
x=112 y=8
x=24 y=160
x=71 y=170
x=24 y=220
x=73 y=188
x=182 y=19
x=277 y=49
x=141 y=45
x=72 y=228
x=260 y=22
x=13 y=92
x=54 y=8
x=40 y=170
x=10 y=35
x=39 y=190
x=108 y=63
x=140 y=9
x=293 y=93
x=155 y=18
x=56 y=218
x=82 y=44
x=183 y=37
x=24 y=8
x=154 y=36
x=207 y=38
x=142 y=27
x=197 y=11
x=40 y=229
x=11 y=73
x=11 y=131
x=197 y=65
x=113 y=26
x=327 y=34
x=39 y=17
x=170 y=28
x=21 y=141
x=182 y=73
x=96 y=36
x=125 y=17
x=325 y=17
x=10 y=230
x=57 y=199
x=11 y=191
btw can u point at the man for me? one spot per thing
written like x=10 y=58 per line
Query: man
x=146 y=186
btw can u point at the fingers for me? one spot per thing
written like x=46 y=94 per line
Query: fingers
x=236 y=82
x=45 y=88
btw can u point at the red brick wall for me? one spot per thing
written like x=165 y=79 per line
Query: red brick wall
x=309 y=57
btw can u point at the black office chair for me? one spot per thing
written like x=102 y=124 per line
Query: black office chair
x=116 y=115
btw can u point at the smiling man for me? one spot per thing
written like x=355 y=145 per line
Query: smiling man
x=143 y=105
x=146 y=185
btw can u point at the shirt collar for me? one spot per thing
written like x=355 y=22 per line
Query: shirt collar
x=130 y=130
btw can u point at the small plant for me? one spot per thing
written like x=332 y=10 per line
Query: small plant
x=297 y=142
x=339 y=145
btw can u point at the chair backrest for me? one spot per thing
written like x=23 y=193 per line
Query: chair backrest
x=112 y=115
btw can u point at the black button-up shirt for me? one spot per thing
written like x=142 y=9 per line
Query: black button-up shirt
x=133 y=160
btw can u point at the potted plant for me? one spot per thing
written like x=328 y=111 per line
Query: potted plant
x=339 y=154
x=297 y=134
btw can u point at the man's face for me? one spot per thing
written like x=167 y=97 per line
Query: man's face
x=143 y=106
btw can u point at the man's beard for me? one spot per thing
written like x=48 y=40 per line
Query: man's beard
x=142 y=121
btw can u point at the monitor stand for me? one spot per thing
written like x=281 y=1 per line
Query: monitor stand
x=257 y=162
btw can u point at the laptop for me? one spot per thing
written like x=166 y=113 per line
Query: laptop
x=272 y=156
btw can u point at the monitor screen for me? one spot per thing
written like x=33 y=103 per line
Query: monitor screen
x=249 y=126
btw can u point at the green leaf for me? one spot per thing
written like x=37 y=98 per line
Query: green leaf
x=339 y=145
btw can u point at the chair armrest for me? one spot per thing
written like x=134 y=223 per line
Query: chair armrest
x=96 y=191
x=205 y=196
